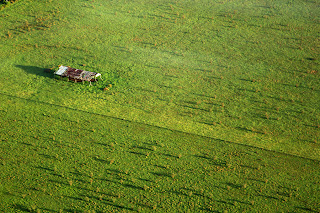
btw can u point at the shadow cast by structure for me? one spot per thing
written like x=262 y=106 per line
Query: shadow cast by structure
x=44 y=72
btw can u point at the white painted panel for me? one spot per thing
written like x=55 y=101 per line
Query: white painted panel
x=61 y=70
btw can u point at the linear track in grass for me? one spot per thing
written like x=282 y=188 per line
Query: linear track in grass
x=173 y=130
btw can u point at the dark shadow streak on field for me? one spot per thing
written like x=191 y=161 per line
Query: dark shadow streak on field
x=149 y=44
x=284 y=194
x=144 y=148
x=259 y=116
x=249 y=130
x=269 y=197
x=124 y=185
x=67 y=184
x=210 y=123
x=170 y=76
x=203 y=157
x=72 y=210
x=48 y=156
x=137 y=153
x=171 y=52
x=119 y=206
x=158 y=127
x=252 y=179
x=100 y=160
x=28 y=144
x=74 y=198
x=132 y=186
x=246 y=90
x=225 y=202
x=152 y=144
x=193 y=107
x=21 y=208
x=111 y=171
x=213 y=161
x=309 y=141
x=78 y=211
x=91 y=197
x=122 y=49
x=248 y=80
x=9 y=193
x=58 y=182
x=77 y=173
x=278 y=98
x=238 y=201
x=107 y=200
x=44 y=168
x=264 y=108
x=161 y=174
x=102 y=144
x=249 y=167
x=169 y=155
x=25 y=209
x=82 y=181
x=191 y=193
x=161 y=167
x=47 y=210
x=35 y=70
x=305 y=209
x=153 y=66
x=209 y=210
x=146 y=180
x=206 y=96
x=298 y=86
x=234 y=185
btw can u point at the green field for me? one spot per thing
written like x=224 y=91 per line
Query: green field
x=210 y=106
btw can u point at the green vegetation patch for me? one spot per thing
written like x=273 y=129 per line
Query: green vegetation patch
x=240 y=71
x=205 y=106
x=55 y=158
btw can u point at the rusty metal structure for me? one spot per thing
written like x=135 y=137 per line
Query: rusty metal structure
x=77 y=74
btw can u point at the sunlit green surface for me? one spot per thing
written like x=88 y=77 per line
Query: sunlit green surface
x=236 y=72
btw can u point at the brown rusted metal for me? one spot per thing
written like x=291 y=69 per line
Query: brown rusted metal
x=77 y=74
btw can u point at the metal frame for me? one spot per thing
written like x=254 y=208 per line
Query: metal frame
x=77 y=74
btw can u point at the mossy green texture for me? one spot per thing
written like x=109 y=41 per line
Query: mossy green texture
x=209 y=106
x=54 y=158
